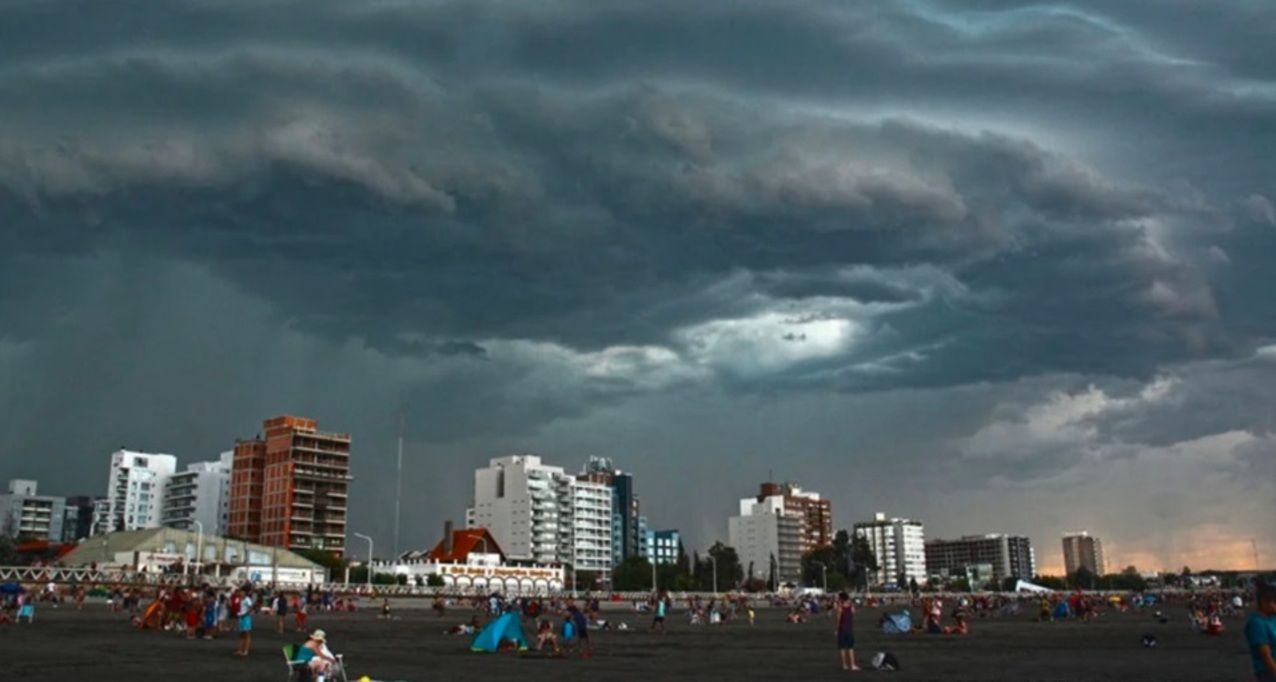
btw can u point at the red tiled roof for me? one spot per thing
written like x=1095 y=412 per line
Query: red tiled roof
x=465 y=541
x=58 y=550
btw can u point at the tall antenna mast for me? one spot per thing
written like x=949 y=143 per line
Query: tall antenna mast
x=398 y=492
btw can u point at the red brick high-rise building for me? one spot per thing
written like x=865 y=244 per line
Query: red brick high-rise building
x=246 y=472
x=289 y=488
x=815 y=515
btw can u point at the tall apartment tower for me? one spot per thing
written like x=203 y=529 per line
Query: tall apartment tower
x=766 y=535
x=25 y=515
x=627 y=531
x=200 y=494
x=134 y=490
x=540 y=513
x=780 y=525
x=899 y=546
x=1080 y=549
x=290 y=488
x=814 y=515
x=1009 y=556
x=248 y=466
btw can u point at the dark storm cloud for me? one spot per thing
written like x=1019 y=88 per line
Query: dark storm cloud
x=508 y=217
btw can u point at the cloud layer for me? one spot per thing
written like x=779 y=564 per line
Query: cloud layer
x=986 y=252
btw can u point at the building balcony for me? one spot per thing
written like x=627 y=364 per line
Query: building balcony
x=335 y=451
x=312 y=474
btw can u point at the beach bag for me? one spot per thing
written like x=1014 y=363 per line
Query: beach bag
x=884 y=660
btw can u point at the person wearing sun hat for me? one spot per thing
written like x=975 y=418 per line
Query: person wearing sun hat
x=315 y=654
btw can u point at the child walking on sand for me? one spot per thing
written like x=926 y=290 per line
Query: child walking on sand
x=845 y=618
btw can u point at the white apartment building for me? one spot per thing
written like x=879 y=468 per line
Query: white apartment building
x=200 y=493
x=25 y=515
x=135 y=490
x=585 y=539
x=899 y=546
x=764 y=532
x=540 y=513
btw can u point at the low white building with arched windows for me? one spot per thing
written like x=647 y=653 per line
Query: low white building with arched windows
x=470 y=559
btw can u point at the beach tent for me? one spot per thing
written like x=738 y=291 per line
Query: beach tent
x=506 y=628
x=897 y=624
x=1025 y=586
x=1061 y=610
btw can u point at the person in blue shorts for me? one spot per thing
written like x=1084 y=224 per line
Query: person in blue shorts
x=245 y=616
x=845 y=617
x=1260 y=633
x=581 y=626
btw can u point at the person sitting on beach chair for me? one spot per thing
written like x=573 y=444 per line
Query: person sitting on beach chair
x=316 y=656
x=545 y=635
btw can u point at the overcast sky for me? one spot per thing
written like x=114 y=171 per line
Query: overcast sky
x=998 y=267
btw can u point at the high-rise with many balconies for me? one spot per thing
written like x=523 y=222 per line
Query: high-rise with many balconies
x=1082 y=550
x=289 y=488
x=540 y=513
x=134 y=491
x=24 y=515
x=899 y=546
x=199 y=497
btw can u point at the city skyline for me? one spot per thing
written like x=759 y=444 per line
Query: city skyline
x=1050 y=567
x=995 y=266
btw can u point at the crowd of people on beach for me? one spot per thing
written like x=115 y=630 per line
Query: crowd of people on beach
x=562 y=625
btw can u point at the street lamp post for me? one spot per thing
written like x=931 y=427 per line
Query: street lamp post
x=199 y=545
x=824 y=569
x=361 y=536
x=714 y=559
x=653 y=574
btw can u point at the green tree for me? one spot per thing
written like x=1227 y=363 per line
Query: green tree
x=864 y=560
x=1083 y=578
x=831 y=561
x=434 y=580
x=8 y=551
x=588 y=581
x=631 y=575
x=729 y=571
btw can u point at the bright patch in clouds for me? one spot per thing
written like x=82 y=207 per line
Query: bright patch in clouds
x=769 y=341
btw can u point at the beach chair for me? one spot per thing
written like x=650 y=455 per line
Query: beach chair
x=298 y=671
x=25 y=611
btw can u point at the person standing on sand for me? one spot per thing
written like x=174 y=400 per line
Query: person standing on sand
x=245 y=615
x=1260 y=633
x=280 y=608
x=845 y=617
x=661 y=610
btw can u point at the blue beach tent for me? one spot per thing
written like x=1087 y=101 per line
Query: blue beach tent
x=506 y=628
x=898 y=624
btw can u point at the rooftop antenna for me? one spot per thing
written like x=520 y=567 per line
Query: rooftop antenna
x=398 y=492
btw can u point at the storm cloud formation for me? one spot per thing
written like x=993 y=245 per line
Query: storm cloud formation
x=1000 y=267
